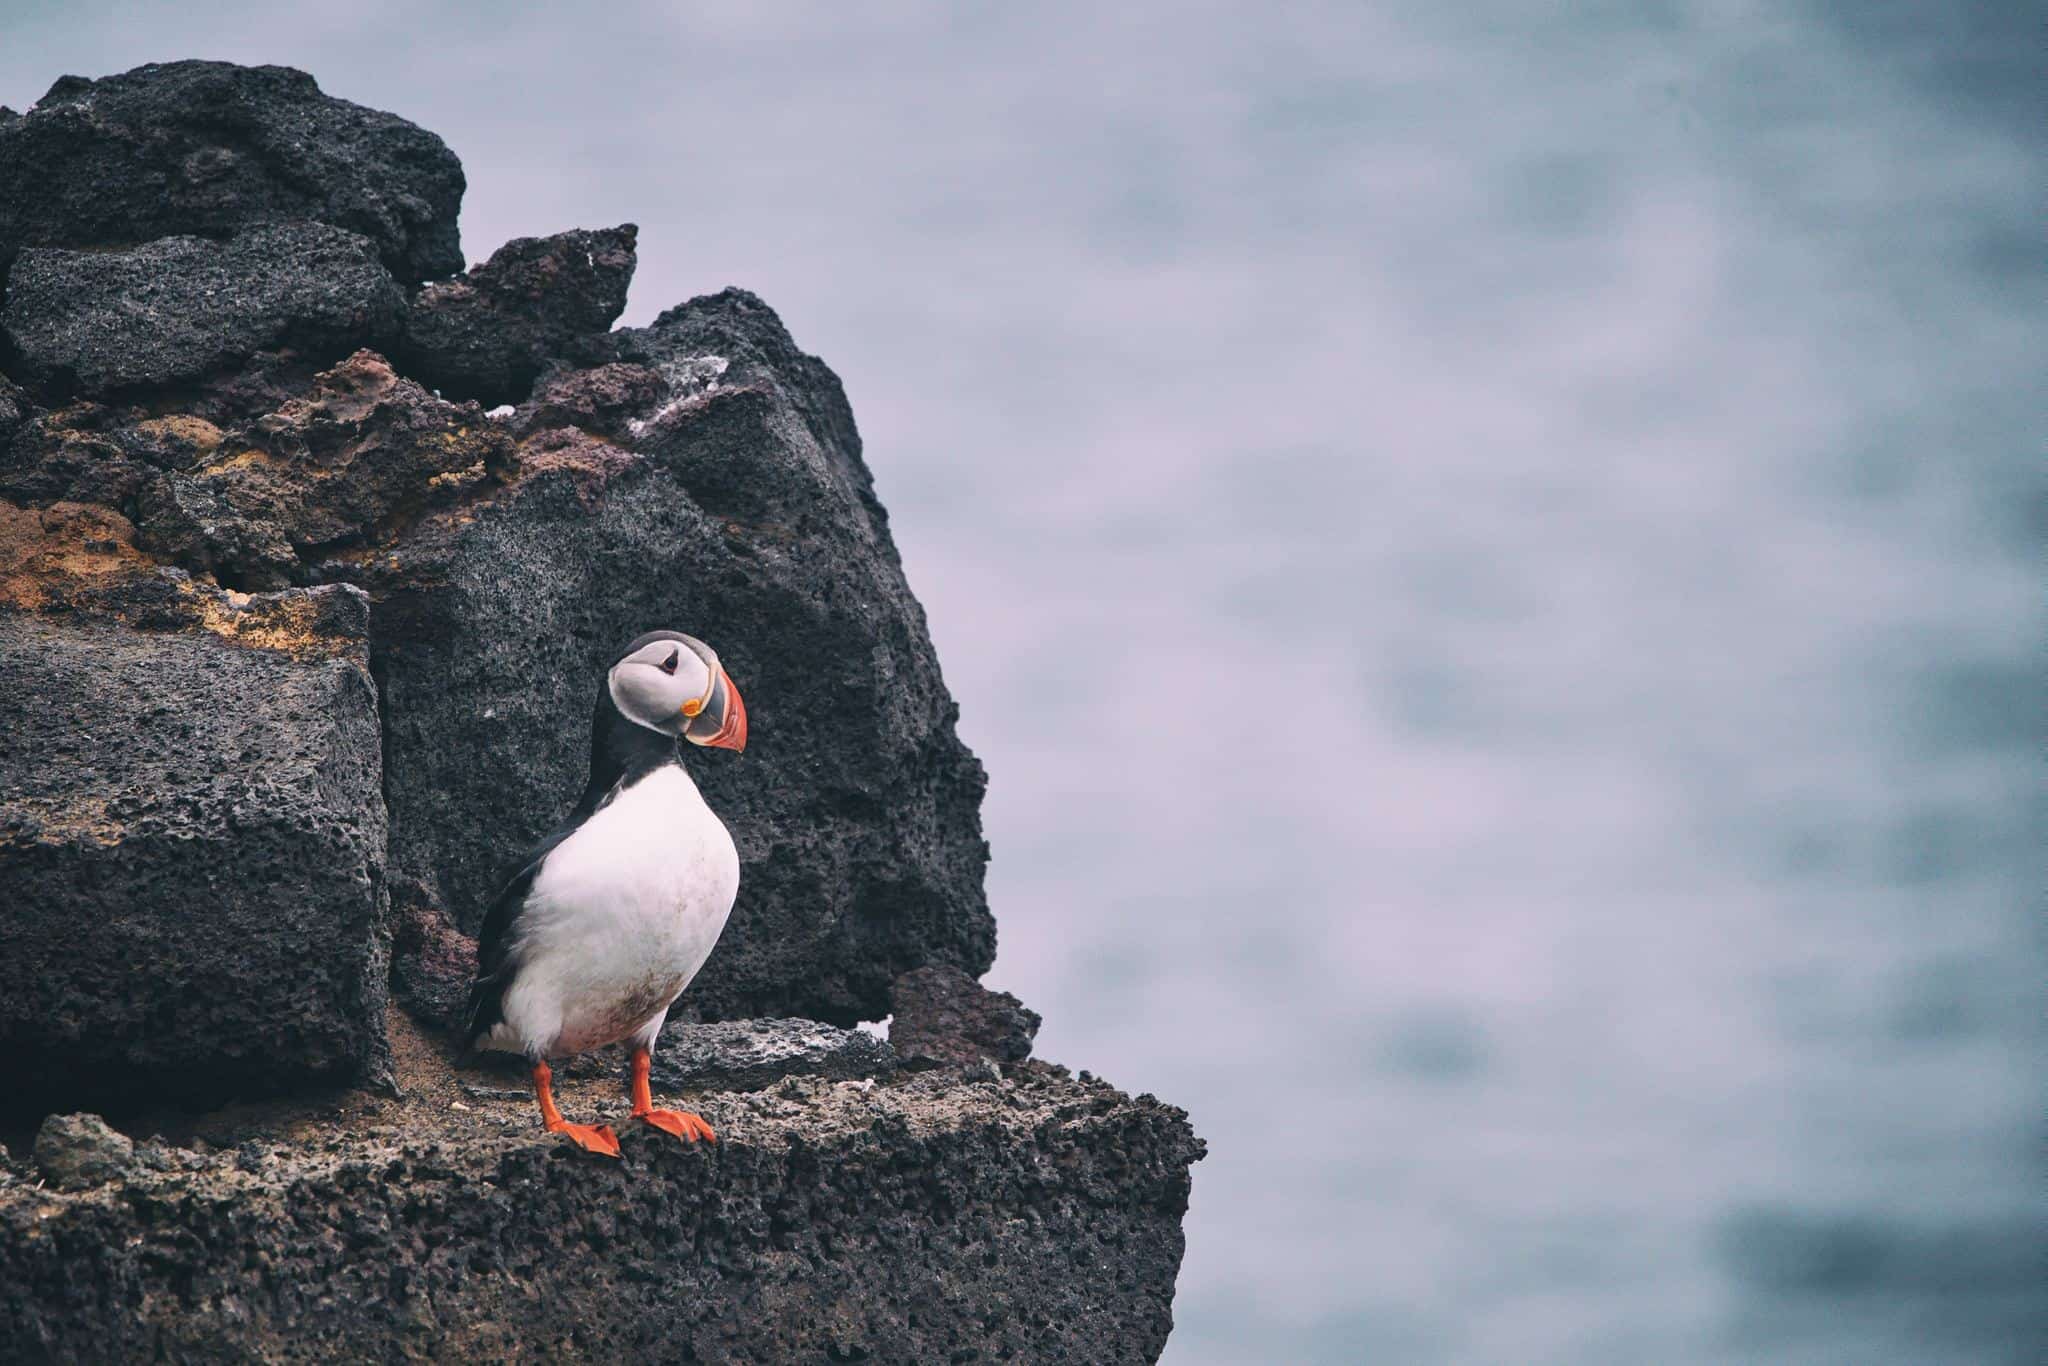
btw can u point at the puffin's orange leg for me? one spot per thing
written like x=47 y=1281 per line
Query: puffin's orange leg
x=681 y=1123
x=593 y=1138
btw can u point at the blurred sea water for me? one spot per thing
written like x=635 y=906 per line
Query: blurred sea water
x=1492 y=555
x=1551 y=777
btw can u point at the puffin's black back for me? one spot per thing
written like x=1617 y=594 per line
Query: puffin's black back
x=621 y=753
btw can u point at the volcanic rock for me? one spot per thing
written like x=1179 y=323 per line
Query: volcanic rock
x=208 y=148
x=71 y=455
x=732 y=1055
x=191 y=843
x=341 y=468
x=178 y=309
x=487 y=335
x=14 y=408
x=739 y=510
x=603 y=400
x=939 y=1016
x=230 y=822
x=432 y=966
x=65 y=556
x=77 y=1151
x=90 y=453
x=749 y=1055
x=1035 y=1218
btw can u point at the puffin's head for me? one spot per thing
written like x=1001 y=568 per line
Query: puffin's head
x=673 y=683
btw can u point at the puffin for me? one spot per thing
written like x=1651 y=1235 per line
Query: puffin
x=608 y=918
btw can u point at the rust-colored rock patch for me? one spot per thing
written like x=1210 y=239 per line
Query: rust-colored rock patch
x=346 y=466
x=48 y=554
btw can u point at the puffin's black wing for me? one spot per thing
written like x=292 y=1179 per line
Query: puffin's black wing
x=494 y=966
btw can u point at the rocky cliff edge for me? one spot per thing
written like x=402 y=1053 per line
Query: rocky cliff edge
x=312 y=544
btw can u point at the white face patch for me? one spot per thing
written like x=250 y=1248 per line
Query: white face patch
x=655 y=684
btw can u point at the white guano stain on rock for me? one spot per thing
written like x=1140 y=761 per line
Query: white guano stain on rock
x=689 y=378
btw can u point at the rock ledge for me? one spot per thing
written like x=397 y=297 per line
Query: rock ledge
x=1033 y=1218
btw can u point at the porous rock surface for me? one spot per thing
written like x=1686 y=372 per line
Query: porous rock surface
x=703 y=473
x=939 y=1016
x=76 y=1151
x=87 y=452
x=207 y=148
x=342 y=468
x=487 y=335
x=14 y=406
x=1026 y=1218
x=296 y=655
x=732 y=502
x=191 y=849
x=748 y=1055
x=173 y=311
x=731 y=1055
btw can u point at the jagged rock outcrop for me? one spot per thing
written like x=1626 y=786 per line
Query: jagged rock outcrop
x=941 y=1017
x=296 y=654
x=602 y=401
x=73 y=1152
x=702 y=472
x=191 y=846
x=339 y=468
x=342 y=468
x=1025 y=1218
x=208 y=148
x=90 y=453
x=489 y=334
x=732 y=502
x=173 y=311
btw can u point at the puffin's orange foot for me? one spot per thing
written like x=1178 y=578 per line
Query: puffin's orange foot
x=592 y=1138
x=681 y=1123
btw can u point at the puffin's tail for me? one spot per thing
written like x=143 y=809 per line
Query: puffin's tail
x=482 y=1015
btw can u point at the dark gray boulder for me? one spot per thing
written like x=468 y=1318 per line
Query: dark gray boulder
x=1034 y=1218
x=191 y=847
x=176 y=310
x=76 y=1151
x=489 y=334
x=941 y=1017
x=72 y=454
x=735 y=506
x=208 y=148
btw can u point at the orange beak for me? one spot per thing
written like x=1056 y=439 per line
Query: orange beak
x=732 y=731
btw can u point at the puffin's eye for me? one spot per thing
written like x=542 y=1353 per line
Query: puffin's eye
x=668 y=666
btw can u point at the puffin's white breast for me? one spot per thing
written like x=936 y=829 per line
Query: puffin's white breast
x=620 y=917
